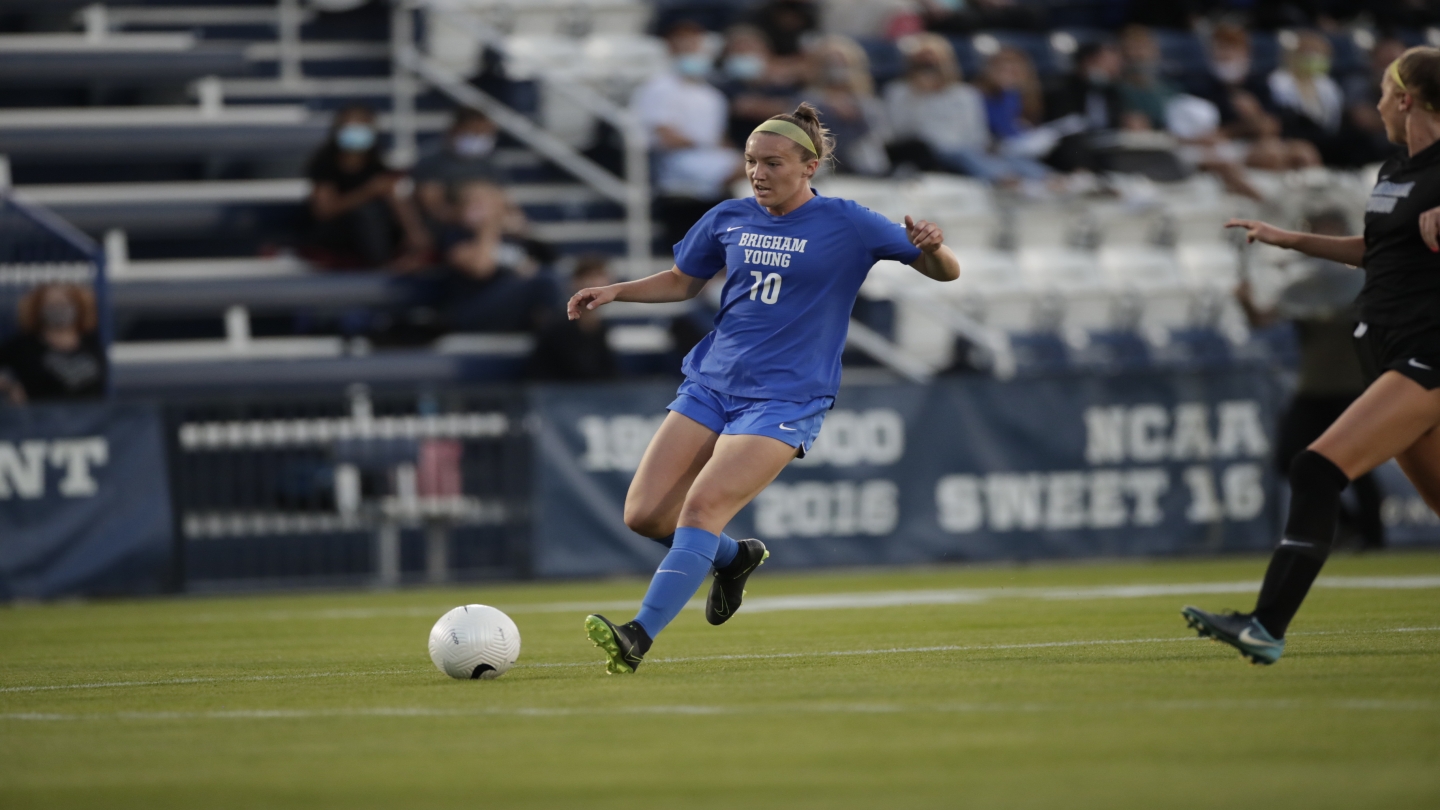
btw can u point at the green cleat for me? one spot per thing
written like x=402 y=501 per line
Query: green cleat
x=625 y=645
x=1239 y=630
x=729 y=586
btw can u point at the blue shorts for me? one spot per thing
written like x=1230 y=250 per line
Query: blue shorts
x=794 y=423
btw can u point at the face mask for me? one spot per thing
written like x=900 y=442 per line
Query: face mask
x=1097 y=77
x=744 y=66
x=58 y=316
x=692 y=65
x=355 y=137
x=837 y=75
x=474 y=146
x=1232 y=71
x=1315 y=64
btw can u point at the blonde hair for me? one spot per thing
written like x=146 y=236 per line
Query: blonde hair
x=1419 y=72
x=915 y=45
x=856 y=62
x=807 y=117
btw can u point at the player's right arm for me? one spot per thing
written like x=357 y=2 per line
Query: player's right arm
x=1344 y=249
x=672 y=285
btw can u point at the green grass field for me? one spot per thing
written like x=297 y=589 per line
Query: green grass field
x=1008 y=687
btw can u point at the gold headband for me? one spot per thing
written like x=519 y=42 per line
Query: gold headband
x=1395 y=76
x=785 y=129
x=1394 y=71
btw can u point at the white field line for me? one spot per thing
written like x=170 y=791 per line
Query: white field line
x=862 y=599
x=701 y=658
x=183 y=681
x=784 y=708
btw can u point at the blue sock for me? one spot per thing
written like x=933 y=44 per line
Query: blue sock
x=665 y=541
x=725 y=554
x=679 y=576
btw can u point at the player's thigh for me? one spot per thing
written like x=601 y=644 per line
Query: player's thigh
x=741 y=466
x=675 y=456
x=1421 y=463
x=1392 y=414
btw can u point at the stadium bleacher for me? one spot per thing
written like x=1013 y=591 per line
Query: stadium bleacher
x=187 y=161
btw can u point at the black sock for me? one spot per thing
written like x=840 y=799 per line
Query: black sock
x=667 y=541
x=1315 y=486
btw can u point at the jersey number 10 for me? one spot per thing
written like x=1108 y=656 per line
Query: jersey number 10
x=766 y=287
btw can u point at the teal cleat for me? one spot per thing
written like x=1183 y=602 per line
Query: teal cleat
x=1240 y=630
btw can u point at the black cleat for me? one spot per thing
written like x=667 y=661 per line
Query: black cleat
x=729 y=586
x=1239 y=630
x=625 y=645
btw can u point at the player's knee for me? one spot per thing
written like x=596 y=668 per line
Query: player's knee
x=1315 y=486
x=645 y=521
x=1313 y=472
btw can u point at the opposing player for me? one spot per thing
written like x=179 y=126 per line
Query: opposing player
x=756 y=388
x=1399 y=343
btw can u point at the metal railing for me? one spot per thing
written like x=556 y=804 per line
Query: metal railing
x=412 y=486
x=631 y=191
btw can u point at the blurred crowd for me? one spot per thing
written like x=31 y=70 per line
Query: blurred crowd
x=1116 y=107
x=450 y=225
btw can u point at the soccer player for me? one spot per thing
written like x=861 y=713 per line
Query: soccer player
x=756 y=388
x=1399 y=343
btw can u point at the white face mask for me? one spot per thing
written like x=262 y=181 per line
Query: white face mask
x=474 y=146
x=1232 y=71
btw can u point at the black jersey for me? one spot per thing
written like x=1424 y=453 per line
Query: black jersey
x=1402 y=275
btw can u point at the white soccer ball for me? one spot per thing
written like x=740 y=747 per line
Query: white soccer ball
x=474 y=641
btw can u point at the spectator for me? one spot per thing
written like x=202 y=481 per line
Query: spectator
x=685 y=120
x=465 y=157
x=1320 y=304
x=1143 y=90
x=1014 y=105
x=757 y=84
x=360 y=212
x=1312 y=106
x=57 y=354
x=934 y=116
x=578 y=349
x=1091 y=94
x=786 y=23
x=842 y=89
x=495 y=282
x=1240 y=97
x=940 y=122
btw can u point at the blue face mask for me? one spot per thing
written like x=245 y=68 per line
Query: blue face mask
x=744 y=66
x=355 y=137
x=692 y=65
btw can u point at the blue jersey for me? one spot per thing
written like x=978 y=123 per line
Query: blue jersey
x=791 y=284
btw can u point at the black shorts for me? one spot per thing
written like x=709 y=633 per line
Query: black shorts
x=1413 y=352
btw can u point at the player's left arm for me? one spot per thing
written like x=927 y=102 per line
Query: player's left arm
x=936 y=260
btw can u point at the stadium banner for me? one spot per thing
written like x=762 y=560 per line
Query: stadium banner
x=1155 y=463
x=84 y=501
x=1408 y=519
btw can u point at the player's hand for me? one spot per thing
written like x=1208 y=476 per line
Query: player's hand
x=1430 y=229
x=924 y=235
x=1257 y=231
x=590 y=298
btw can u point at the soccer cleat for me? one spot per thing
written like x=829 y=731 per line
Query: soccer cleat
x=625 y=644
x=1240 y=630
x=729 y=586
